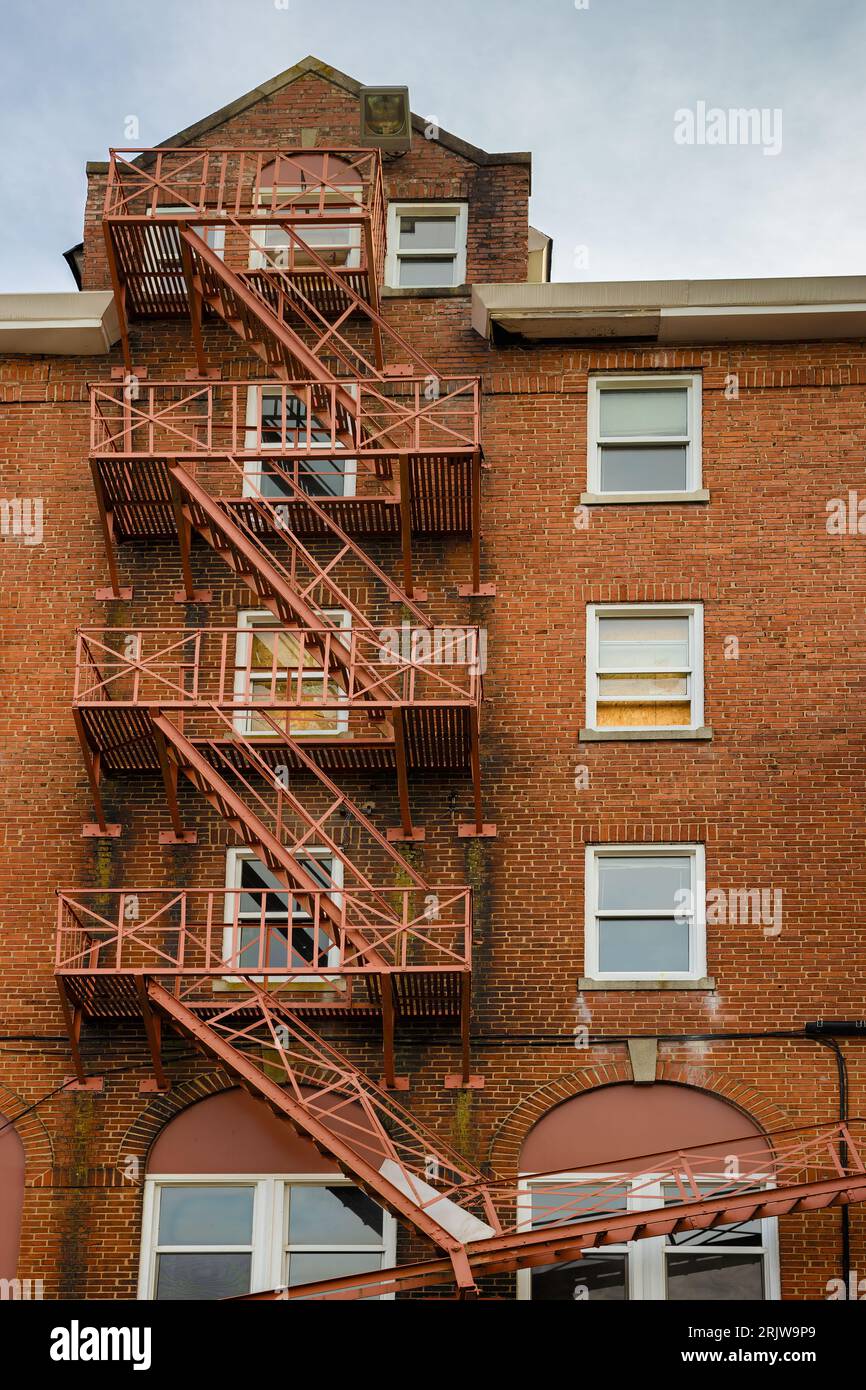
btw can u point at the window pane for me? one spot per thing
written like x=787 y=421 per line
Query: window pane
x=643 y=944
x=630 y=881
x=642 y=687
x=569 y=1201
x=644 y=413
x=653 y=469
x=322 y=477
x=739 y=1233
x=720 y=1278
x=326 y=1264
x=644 y=716
x=268 y=948
x=205 y=1215
x=311 y=948
x=202 y=1276
x=257 y=876
x=339 y=1215
x=635 y=643
x=598 y=1278
x=418 y=271
x=428 y=233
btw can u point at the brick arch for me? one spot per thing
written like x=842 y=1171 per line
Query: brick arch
x=35 y=1139
x=507 y=1140
x=143 y=1131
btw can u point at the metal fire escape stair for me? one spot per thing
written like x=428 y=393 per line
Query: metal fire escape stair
x=266 y=826
x=475 y=1222
x=388 y=1154
x=287 y=331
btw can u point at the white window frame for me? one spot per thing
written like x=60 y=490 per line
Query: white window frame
x=243 y=718
x=236 y=855
x=265 y=255
x=459 y=211
x=213 y=234
x=647 y=1258
x=270 y=1218
x=645 y=381
x=697 y=917
x=253 y=467
x=695 y=614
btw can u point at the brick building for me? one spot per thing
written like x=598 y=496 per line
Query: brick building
x=406 y=853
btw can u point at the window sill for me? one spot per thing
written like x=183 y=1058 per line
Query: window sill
x=633 y=499
x=708 y=983
x=702 y=735
x=427 y=292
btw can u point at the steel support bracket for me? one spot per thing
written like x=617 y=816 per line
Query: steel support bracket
x=92 y=831
x=90 y=1083
x=197 y=596
x=471 y=831
x=454 y=1081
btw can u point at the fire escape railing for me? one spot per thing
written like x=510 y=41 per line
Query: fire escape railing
x=287 y=248
x=192 y=934
x=280 y=667
x=181 y=419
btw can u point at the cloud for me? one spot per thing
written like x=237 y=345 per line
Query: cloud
x=591 y=92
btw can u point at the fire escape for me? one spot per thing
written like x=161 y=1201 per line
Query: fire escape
x=348 y=434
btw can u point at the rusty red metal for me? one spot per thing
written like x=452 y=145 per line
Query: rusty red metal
x=802 y=1169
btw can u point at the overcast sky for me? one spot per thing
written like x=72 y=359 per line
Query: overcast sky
x=591 y=91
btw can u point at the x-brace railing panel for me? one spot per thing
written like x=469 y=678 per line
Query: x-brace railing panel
x=192 y=935
x=220 y=181
x=275 y=666
x=145 y=419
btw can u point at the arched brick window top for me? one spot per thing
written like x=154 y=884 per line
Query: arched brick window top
x=11 y=1197
x=610 y=1151
x=235 y=1201
x=234 y=1133
x=628 y=1128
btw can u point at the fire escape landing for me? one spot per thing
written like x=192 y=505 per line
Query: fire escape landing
x=284 y=249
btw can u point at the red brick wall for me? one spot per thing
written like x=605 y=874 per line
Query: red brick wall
x=777 y=796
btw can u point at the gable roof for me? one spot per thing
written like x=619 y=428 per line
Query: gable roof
x=338 y=79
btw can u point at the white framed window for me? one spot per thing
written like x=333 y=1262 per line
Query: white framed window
x=274 y=664
x=262 y=929
x=426 y=245
x=277 y=420
x=739 y=1262
x=163 y=241
x=210 y=1238
x=645 y=912
x=644 y=434
x=337 y=245
x=645 y=666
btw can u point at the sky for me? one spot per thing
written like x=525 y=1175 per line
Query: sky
x=607 y=94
